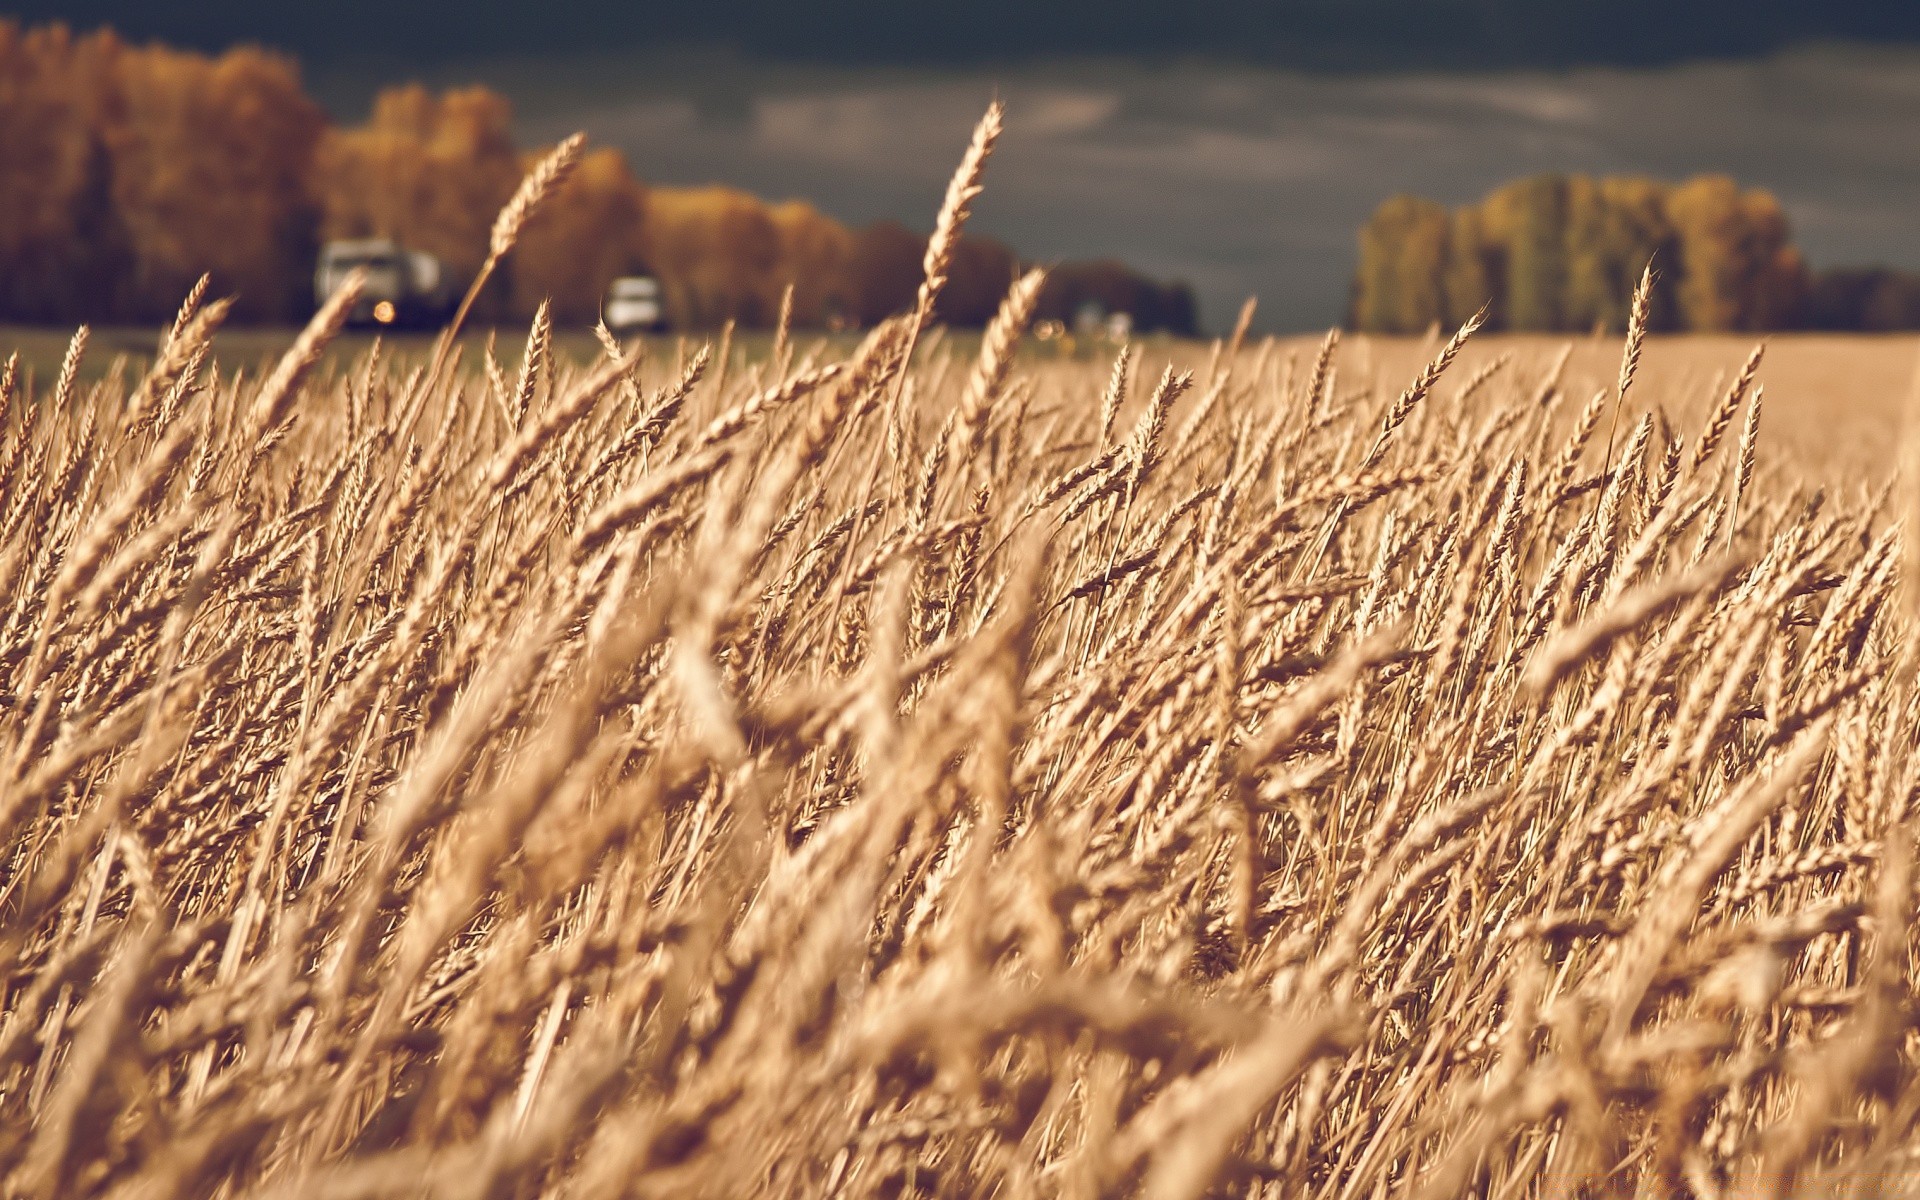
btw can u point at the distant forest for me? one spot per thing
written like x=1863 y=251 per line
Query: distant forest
x=1564 y=252
x=130 y=170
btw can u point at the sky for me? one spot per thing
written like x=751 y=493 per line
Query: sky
x=1234 y=145
x=1315 y=33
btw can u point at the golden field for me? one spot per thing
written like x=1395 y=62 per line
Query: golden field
x=1835 y=402
x=915 y=768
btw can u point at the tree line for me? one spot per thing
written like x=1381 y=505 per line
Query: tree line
x=131 y=169
x=1564 y=252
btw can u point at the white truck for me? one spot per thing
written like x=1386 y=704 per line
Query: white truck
x=403 y=288
x=633 y=305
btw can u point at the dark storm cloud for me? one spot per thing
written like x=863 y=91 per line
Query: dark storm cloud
x=1243 y=179
x=1322 y=33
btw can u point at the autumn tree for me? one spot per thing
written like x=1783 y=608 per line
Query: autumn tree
x=1528 y=220
x=1739 y=271
x=886 y=269
x=1403 y=251
x=430 y=172
x=1474 y=273
x=816 y=258
x=588 y=232
x=1778 y=280
x=126 y=173
x=61 y=246
x=1706 y=213
x=716 y=251
x=1616 y=228
x=1566 y=253
x=129 y=172
x=210 y=161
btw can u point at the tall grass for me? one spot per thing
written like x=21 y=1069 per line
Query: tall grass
x=909 y=775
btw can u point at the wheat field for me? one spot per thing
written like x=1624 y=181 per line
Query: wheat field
x=901 y=772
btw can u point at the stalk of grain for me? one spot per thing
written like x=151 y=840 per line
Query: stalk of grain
x=540 y=183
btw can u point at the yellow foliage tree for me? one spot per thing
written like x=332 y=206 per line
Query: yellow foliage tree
x=588 y=233
x=716 y=251
x=1403 y=251
x=1527 y=219
x=60 y=243
x=816 y=257
x=1475 y=273
x=429 y=171
x=126 y=173
x=210 y=165
x=1616 y=227
x=1558 y=252
x=1739 y=270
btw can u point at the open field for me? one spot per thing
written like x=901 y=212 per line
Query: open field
x=1835 y=403
x=1263 y=774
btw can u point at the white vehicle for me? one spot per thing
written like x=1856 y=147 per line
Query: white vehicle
x=633 y=305
x=403 y=287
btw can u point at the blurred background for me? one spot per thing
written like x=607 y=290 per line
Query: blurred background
x=1389 y=163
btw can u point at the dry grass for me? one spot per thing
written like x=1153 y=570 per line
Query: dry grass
x=914 y=774
x=1836 y=403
